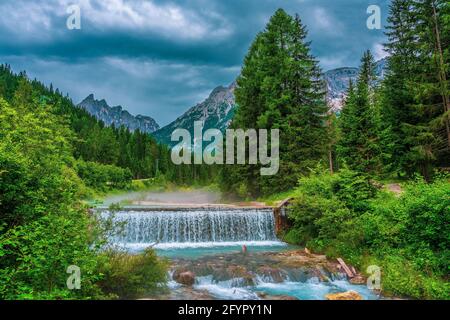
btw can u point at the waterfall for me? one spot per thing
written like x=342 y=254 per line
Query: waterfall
x=205 y=226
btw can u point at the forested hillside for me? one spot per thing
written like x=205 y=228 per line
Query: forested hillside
x=52 y=155
x=44 y=227
x=396 y=129
x=104 y=154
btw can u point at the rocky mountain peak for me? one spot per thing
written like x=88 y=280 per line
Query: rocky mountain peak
x=215 y=112
x=338 y=81
x=117 y=116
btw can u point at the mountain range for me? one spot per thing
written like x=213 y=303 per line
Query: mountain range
x=218 y=109
x=117 y=116
x=216 y=112
x=338 y=81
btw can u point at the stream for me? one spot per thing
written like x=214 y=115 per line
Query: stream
x=226 y=252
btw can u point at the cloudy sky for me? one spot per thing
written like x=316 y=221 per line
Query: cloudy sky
x=160 y=57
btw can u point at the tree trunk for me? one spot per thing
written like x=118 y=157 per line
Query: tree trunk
x=442 y=75
x=330 y=157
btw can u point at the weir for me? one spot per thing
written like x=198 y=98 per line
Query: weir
x=195 y=226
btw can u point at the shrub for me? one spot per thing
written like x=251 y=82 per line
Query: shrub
x=129 y=276
x=35 y=258
x=103 y=177
x=407 y=236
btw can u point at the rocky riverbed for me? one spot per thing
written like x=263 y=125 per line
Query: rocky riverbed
x=285 y=275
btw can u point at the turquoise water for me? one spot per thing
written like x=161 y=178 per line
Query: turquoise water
x=209 y=242
x=194 y=253
x=233 y=288
x=222 y=286
x=199 y=250
x=312 y=289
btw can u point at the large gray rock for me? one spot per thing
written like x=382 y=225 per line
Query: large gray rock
x=186 y=278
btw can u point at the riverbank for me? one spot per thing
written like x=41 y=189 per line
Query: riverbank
x=399 y=228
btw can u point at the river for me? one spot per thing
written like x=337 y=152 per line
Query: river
x=231 y=251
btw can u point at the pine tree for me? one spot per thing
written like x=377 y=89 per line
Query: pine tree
x=359 y=143
x=280 y=87
x=414 y=103
x=433 y=88
x=396 y=97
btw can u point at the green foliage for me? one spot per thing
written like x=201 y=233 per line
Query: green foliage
x=358 y=146
x=280 y=88
x=103 y=177
x=414 y=96
x=402 y=278
x=132 y=276
x=406 y=235
x=35 y=258
x=44 y=228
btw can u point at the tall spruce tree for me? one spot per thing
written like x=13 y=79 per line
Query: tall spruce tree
x=432 y=87
x=280 y=87
x=397 y=99
x=359 y=143
x=414 y=103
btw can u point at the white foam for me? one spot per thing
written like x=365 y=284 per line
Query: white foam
x=183 y=245
x=194 y=226
x=224 y=289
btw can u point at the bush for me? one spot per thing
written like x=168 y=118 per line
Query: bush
x=416 y=223
x=132 y=276
x=103 y=177
x=44 y=228
x=408 y=236
x=35 y=258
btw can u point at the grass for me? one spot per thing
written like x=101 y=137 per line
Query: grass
x=277 y=197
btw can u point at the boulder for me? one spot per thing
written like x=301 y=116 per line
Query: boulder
x=271 y=274
x=265 y=296
x=349 y=295
x=240 y=272
x=186 y=278
x=358 y=280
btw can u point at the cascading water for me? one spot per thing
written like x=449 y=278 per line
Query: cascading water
x=196 y=227
x=208 y=243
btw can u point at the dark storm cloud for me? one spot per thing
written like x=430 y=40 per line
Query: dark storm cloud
x=161 y=57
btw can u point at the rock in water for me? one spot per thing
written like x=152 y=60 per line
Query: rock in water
x=358 y=280
x=186 y=278
x=349 y=295
x=271 y=274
